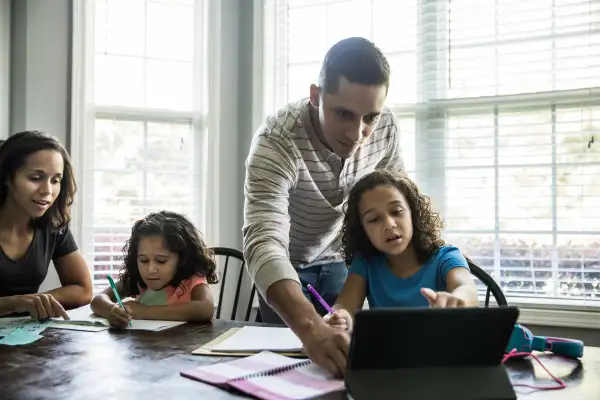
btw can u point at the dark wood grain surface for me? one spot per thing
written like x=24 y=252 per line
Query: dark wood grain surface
x=146 y=365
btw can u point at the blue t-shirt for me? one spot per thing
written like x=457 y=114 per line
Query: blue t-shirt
x=384 y=289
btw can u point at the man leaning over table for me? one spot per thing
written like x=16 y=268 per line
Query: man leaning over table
x=301 y=165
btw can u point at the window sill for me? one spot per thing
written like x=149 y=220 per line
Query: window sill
x=569 y=313
x=545 y=312
x=550 y=303
x=555 y=317
x=587 y=319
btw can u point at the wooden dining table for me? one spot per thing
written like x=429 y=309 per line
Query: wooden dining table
x=116 y=364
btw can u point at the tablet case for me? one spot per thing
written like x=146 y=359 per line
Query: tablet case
x=424 y=353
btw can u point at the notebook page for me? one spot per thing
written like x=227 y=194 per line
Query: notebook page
x=85 y=317
x=300 y=383
x=153 y=325
x=222 y=372
x=79 y=327
x=259 y=338
x=81 y=316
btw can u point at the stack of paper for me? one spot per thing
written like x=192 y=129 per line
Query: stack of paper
x=254 y=339
x=83 y=319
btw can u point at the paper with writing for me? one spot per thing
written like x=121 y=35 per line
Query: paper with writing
x=8 y=325
x=23 y=332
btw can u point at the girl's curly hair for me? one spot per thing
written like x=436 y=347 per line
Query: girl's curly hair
x=427 y=224
x=181 y=237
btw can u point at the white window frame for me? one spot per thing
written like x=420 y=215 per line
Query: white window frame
x=207 y=19
x=430 y=173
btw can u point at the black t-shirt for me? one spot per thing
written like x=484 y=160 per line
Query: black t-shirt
x=27 y=274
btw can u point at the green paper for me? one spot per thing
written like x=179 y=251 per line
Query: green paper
x=8 y=325
x=19 y=337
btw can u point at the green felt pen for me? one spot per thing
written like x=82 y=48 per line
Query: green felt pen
x=114 y=288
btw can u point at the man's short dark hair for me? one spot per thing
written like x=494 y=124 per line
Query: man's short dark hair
x=356 y=59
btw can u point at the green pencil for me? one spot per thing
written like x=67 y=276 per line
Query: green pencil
x=114 y=288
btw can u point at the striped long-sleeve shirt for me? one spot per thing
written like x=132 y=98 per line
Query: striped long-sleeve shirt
x=295 y=189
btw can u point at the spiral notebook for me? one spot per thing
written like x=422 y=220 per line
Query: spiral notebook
x=269 y=376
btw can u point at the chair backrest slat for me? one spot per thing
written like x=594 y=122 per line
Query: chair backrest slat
x=237 y=291
x=251 y=302
x=490 y=283
x=223 y=279
x=237 y=255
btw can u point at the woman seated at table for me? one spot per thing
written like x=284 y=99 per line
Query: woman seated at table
x=36 y=191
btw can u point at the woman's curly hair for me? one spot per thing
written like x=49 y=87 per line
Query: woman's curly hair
x=181 y=237
x=427 y=224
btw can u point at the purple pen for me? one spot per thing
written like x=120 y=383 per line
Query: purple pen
x=318 y=297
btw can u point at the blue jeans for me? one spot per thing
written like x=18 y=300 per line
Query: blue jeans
x=327 y=279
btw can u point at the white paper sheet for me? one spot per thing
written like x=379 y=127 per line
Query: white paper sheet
x=75 y=327
x=259 y=338
x=84 y=317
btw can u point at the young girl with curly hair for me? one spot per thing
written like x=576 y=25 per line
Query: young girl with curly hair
x=167 y=268
x=391 y=239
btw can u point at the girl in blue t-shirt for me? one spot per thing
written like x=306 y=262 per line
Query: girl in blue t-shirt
x=391 y=238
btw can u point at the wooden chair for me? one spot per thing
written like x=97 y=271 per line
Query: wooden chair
x=236 y=255
x=490 y=283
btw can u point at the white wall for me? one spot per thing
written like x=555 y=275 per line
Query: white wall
x=223 y=87
x=230 y=192
x=40 y=69
x=235 y=132
x=4 y=68
x=245 y=129
x=40 y=66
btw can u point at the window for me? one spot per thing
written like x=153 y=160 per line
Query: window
x=499 y=107
x=538 y=233
x=143 y=149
